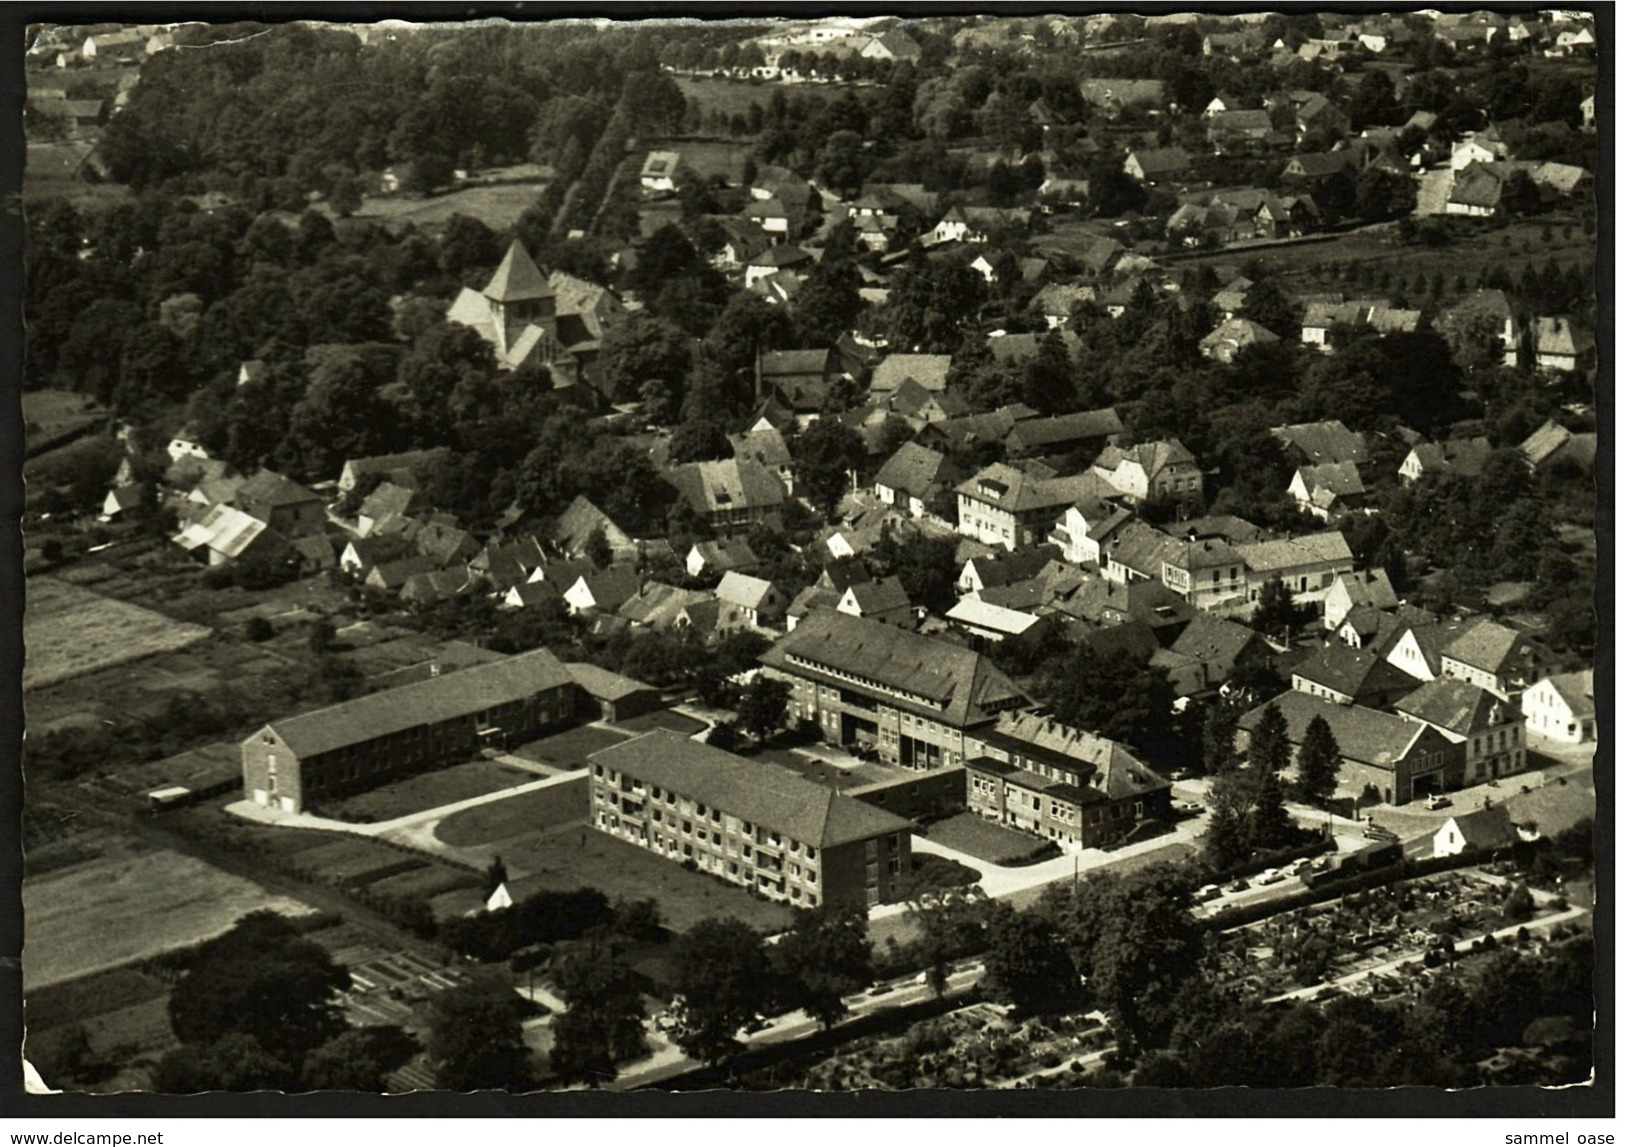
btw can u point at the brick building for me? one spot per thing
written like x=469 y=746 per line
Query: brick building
x=748 y=822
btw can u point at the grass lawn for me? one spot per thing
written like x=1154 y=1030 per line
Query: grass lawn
x=69 y=631
x=535 y=811
x=498 y=207
x=571 y=859
x=570 y=749
x=426 y=791
x=662 y=719
x=984 y=840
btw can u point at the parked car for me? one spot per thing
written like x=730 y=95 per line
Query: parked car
x=1237 y=885
x=1271 y=876
x=1438 y=800
x=1208 y=892
x=1378 y=832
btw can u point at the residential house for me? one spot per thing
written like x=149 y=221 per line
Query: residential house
x=1476 y=192
x=719 y=555
x=1588 y=112
x=432 y=586
x=1464 y=457
x=387 y=500
x=531 y=593
x=1384 y=757
x=915 y=478
x=918 y=406
x=1562 y=708
x=748 y=603
x=1156 y=472
x=226 y=534
x=1232 y=336
x=1554 y=444
x=1306 y=565
x=1318 y=167
x=772 y=260
x=1232 y=297
x=1494 y=657
x=1083 y=430
x=601 y=591
x=1476 y=147
x=656 y=605
x=1057 y=301
x=1001 y=568
x=1357 y=590
x=1238 y=129
x=1004 y=506
x=122 y=500
x=768 y=449
x=754 y=824
x=1075 y=788
x=929 y=371
x=185 y=445
x=1210 y=651
x=1153 y=165
x=730 y=494
x=1319 y=116
x=574 y=529
x=1321 y=443
x=1482 y=830
x=892 y=45
x=389 y=576
x=884 y=600
x=401 y=469
x=1489 y=729
x=1351 y=676
x=501 y=565
x=1327 y=490
x=798 y=378
x=1207 y=572
x=1559 y=345
x=296 y=761
x=282 y=504
x=912 y=699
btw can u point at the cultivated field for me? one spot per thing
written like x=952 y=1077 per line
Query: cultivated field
x=69 y=631
x=130 y=906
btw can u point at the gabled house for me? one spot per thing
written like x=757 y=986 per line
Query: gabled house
x=1306 y=565
x=572 y=532
x=122 y=500
x=1155 y=472
x=798 y=378
x=1477 y=147
x=1208 y=653
x=766 y=448
x=1383 y=756
x=1562 y=708
x=503 y=565
x=1057 y=301
x=1461 y=456
x=1152 y=165
x=1320 y=116
x=601 y=591
x=1064 y=433
x=531 y=593
x=389 y=576
x=1358 y=590
x=929 y=371
x=1229 y=130
x=1489 y=729
x=656 y=605
x=386 y=500
x=1232 y=336
x=1321 y=443
x=772 y=260
x=748 y=602
x=1137 y=551
x=1481 y=830
x=401 y=469
x=884 y=600
x=914 y=478
x=1207 y=572
x=1231 y=297
x=1351 y=677
x=283 y=505
x=1000 y=568
x=1004 y=506
x=1476 y=192
x=1554 y=444
x=729 y=494
x=1317 y=167
x=719 y=555
x=1561 y=346
x=1493 y=657
x=433 y=586
x=1327 y=490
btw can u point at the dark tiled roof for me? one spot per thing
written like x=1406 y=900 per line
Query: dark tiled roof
x=268 y=488
x=1490 y=646
x=764 y=794
x=1322 y=442
x=460 y=694
x=603 y=684
x=956 y=685
x=1459 y=706
x=1362 y=734
x=1216 y=642
x=1352 y=672
x=916 y=470
x=517 y=278
x=1034 y=433
x=1105 y=768
x=729 y=484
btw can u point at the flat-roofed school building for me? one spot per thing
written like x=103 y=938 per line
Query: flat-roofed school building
x=752 y=823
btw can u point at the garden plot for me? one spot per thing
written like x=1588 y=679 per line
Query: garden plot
x=131 y=905
x=69 y=631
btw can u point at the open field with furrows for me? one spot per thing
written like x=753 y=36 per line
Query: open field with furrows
x=134 y=903
x=427 y=791
x=1308 y=267
x=69 y=631
x=498 y=206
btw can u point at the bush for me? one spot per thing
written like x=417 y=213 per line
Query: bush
x=259 y=629
x=1518 y=906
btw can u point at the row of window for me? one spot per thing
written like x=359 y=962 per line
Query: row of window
x=734 y=827
x=866 y=682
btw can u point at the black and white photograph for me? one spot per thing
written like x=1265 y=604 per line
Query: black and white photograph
x=799 y=552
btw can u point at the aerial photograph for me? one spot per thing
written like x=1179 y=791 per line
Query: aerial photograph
x=789 y=553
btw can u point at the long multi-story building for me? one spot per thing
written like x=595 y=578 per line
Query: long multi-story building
x=752 y=823
x=1034 y=773
x=297 y=760
x=914 y=700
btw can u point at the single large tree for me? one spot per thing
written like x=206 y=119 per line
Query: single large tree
x=763 y=706
x=603 y=1023
x=477 y=1040
x=1269 y=749
x=827 y=453
x=1027 y=963
x=1318 y=760
x=824 y=957
x=724 y=976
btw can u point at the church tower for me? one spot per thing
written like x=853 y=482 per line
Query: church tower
x=519 y=295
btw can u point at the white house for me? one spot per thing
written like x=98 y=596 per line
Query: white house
x=1563 y=708
x=186 y=445
x=748 y=602
x=659 y=171
x=1481 y=830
